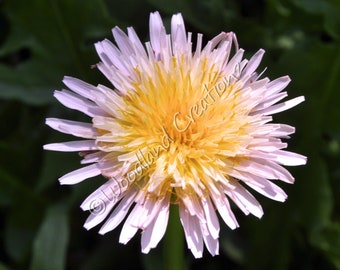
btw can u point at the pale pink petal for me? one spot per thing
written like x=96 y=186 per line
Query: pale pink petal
x=244 y=200
x=212 y=220
x=268 y=146
x=106 y=70
x=80 y=87
x=128 y=231
x=79 y=129
x=192 y=231
x=76 y=102
x=111 y=56
x=146 y=212
x=192 y=203
x=289 y=158
x=277 y=85
x=110 y=102
x=282 y=106
x=216 y=40
x=253 y=63
x=178 y=34
x=107 y=53
x=138 y=46
x=263 y=168
x=232 y=69
x=157 y=34
x=197 y=53
x=100 y=210
x=223 y=207
x=266 y=188
x=122 y=41
x=269 y=102
x=79 y=175
x=156 y=230
x=92 y=157
x=73 y=146
x=258 y=88
x=119 y=212
x=109 y=191
x=211 y=243
x=280 y=172
x=282 y=131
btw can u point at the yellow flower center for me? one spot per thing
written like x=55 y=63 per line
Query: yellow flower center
x=181 y=121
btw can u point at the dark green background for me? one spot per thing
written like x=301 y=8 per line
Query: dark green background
x=43 y=40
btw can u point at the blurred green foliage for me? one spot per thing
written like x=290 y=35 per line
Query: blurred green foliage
x=43 y=40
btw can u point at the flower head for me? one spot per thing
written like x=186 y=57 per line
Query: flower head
x=181 y=125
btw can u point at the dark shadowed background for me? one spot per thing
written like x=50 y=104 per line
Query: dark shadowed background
x=43 y=40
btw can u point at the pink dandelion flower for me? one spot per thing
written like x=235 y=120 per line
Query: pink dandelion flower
x=180 y=125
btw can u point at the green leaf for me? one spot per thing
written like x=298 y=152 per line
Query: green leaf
x=330 y=10
x=231 y=245
x=27 y=88
x=314 y=208
x=3 y=266
x=328 y=240
x=49 y=250
x=20 y=227
x=312 y=6
x=57 y=38
x=332 y=22
x=272 y=233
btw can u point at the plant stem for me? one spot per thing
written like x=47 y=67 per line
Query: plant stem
x=173 y=248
